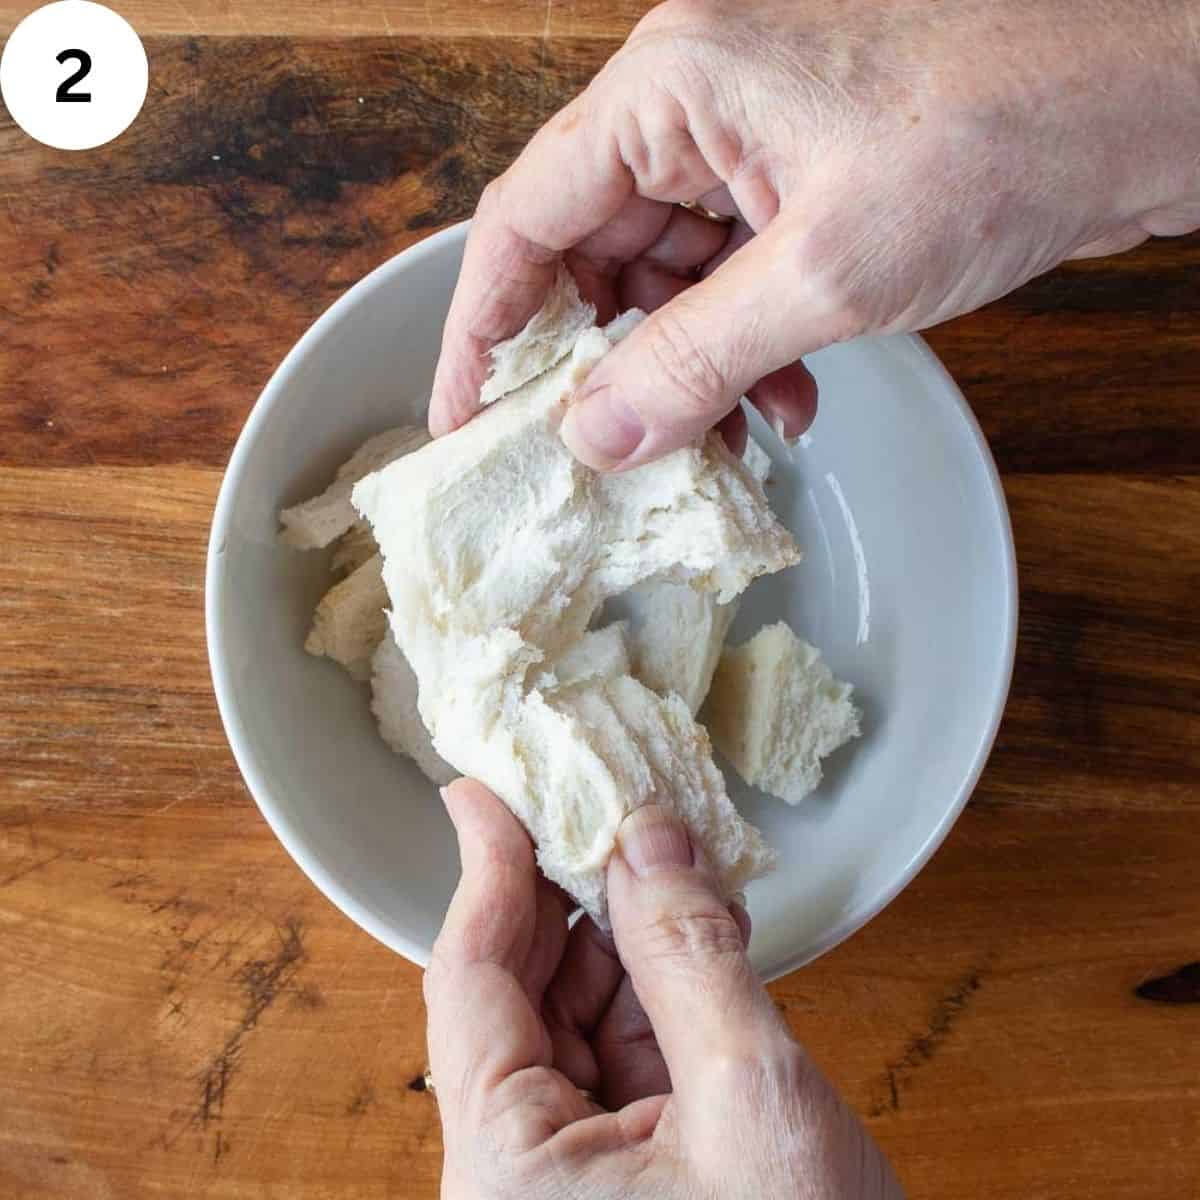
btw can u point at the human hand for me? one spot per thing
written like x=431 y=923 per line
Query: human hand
x=705 y=1093
x=892 y=163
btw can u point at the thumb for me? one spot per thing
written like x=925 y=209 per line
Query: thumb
x=684 y=953
x=687 y=365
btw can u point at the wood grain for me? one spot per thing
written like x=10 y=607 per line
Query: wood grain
x=264 y=177
x=183 y=1014
x=607 y=19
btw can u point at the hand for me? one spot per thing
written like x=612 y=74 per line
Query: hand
x=892 y=163
x=705 y=1093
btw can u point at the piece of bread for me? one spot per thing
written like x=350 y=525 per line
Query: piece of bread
x=353 y=548
x=775 y=711
x=600 y=654
x=757 y=461
x=547 y=338
x=350 y=620
x=499 y=547
x=676 y=631
x=394 y=703
x=317 y=522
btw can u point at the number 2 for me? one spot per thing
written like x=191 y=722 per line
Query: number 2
x=64 y=95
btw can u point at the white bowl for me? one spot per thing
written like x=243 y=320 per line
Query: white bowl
x=908 y=587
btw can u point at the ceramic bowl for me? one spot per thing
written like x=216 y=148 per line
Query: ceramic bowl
x=908 y=586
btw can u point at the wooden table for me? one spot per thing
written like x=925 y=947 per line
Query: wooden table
x=181 y=1012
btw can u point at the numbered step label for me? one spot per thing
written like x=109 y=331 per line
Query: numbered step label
x=74 y=74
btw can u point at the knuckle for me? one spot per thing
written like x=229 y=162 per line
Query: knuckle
x=767 y=1074
x=692 y=936
x=653 y=134
x=437 y=974
x=696 y=380
x=489 y=198
x=834 y=286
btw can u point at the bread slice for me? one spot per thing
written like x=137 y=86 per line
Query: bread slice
x=499 y=547
x=775 y=711
x=676 y=631
x=317 y=522
x=350 y=620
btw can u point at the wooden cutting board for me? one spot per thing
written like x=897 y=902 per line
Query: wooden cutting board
x=181 y=1013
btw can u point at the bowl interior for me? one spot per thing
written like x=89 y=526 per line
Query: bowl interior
x=907 y=587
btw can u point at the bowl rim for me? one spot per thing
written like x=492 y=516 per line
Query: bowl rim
x=309 y=861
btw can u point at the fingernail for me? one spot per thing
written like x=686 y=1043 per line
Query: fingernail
x=780 y=427
x=601 y=430
x=652 y=837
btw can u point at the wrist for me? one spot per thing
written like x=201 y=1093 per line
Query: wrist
x=1103 y=105
x=1171 y=131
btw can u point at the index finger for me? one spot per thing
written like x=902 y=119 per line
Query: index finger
x=482 y=1025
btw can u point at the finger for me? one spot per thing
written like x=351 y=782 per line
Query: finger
x=648 y=286
x=686 y=241
x=568 y=183
x=719 y=200
x=741 y=918
x=553 y=906
x=687 y=365
x=733 y=428
x=629 y=1061
x=492 y=915
x=597 y=260
x=684 y=953
x=638 y=224
x=482 y=1026
x=739 y=234
x=631 y=1065
x=578 y=997
x=584 y=1142
x=668 y=265
x=643 y=257
x=787 y=398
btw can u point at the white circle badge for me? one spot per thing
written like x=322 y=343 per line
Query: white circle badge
x=74 y=74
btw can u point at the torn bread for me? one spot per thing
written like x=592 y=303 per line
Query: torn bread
x=394 y=704
x=600 y=654
x=775 y=711
x=350 y=620
x=676 y=631
x=353 y=548
x=551 y=331
x=499 y=547
x=317 y=522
